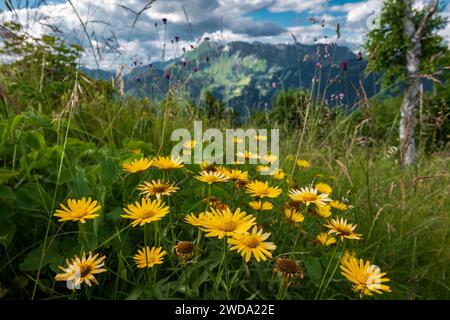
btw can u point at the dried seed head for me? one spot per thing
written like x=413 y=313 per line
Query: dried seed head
x=288 y=268
x=185 y=249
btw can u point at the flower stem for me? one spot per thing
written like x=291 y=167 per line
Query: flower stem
x=326 y=272
x=282 y=290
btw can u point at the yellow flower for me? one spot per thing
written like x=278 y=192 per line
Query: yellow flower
x=137 y=165
x=237 y=140
x=167 y=163
x=145 y=212
x=279 y=174
x=341 y=228
x=263 y=169
x=221 y=223
x=366 y=278
x=197 y=221
x=81 y=270
x=323 y=188
x=308 y=196
x=347 y=256
x=293 y=215
x=261 y=138
x=324 y=211
x=237 y=175
x=325 y=239
x=270 y=158
x=248 y=244
x=190 y=144
x=259 y=205
x=338 y=205
x=210 y=177
x=78 y=210
x=303 y=163
x=261 y=190
x=247 y=155
x=206 y=166
x=157 y=189
x=147 y=258
x=136 y=151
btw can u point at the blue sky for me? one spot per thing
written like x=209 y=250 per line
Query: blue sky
x=269 y=21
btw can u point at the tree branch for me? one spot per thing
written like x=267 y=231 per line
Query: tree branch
x=426 y=18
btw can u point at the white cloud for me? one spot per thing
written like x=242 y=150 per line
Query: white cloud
x=297 y=5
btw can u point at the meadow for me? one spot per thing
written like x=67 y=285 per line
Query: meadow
x=93 y=206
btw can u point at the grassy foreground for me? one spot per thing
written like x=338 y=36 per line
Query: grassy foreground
x=402 y=216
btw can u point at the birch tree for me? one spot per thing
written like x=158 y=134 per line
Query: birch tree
x=406 y=46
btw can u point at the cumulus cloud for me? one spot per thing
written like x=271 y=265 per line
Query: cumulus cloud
x=298 y=6
x=110 y=26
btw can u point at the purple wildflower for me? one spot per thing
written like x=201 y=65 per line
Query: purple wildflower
x=359 y=56
x=164 y=20
x=344 y=65
x=318 y=65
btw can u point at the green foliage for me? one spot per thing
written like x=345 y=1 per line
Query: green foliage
x=214 y=108
x=289 y=107
x=46 y=160
x=43 y=74
x=388 y=43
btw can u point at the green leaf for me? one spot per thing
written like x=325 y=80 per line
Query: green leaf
x=16 y=121
x=108 y=170
x=6 y=175
x=34 y=139
x=36 y=193
x=314 y=269
x=79 y=186
x=33 y=259
x=7 y=230
x=6 y=194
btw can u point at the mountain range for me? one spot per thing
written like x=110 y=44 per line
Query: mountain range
x=246 y=76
